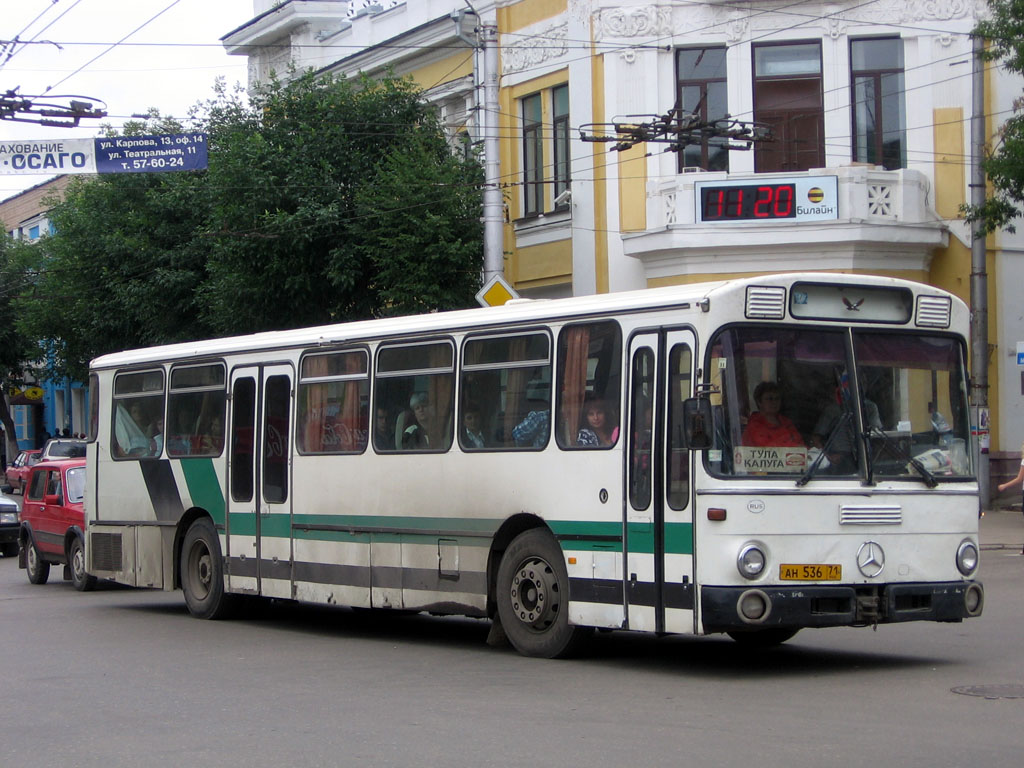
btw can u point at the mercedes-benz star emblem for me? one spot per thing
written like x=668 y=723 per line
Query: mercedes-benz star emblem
x=871 y=558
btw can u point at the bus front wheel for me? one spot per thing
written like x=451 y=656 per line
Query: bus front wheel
x=533 y=597
x=202 y=571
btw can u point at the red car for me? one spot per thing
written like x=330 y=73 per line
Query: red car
x=17 y=471
x=53 y=523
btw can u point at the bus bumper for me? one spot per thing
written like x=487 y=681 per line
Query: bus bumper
x=728 y=609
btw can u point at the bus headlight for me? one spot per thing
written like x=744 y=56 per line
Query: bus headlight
x=751 y=560
x=967 y=557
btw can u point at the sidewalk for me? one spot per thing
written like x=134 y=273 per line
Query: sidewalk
x=1002 y=529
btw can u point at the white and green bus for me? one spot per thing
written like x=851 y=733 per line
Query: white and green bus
x=749 y=457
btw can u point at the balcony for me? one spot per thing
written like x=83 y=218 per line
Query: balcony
x=883 y=222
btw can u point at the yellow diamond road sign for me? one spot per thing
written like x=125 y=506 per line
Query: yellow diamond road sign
x=496 y=292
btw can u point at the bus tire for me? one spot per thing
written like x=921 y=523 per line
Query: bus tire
x=80 y=579
x=202 y=571
x=38 y=569
x=764 y=638
x=533 y=597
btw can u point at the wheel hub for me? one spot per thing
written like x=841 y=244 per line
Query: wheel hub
x=535 y=593
x=201 y=570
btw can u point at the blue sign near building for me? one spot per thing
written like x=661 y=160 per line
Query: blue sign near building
x=149 y=154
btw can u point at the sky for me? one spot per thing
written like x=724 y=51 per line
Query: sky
x=170 y=63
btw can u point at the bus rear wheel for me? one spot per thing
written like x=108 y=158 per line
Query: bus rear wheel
x=763 y=638
x=202 y=572
x=533 y=597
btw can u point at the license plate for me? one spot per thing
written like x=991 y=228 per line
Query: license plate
x=792 y=572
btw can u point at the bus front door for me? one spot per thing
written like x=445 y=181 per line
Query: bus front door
x=659 y=571
x=259 y=510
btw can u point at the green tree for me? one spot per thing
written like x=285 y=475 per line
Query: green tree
x=16 y=349
x=336 y=200
x=124 y=269
x=1004 y=167
x=325 y=200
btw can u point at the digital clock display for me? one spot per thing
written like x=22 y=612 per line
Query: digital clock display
x=792 y=199
x=750 y=201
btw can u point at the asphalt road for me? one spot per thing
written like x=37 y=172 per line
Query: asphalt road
x=122 y=677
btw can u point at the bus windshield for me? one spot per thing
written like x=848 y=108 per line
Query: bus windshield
x=827 y=402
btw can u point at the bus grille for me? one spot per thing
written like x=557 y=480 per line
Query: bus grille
x=934 y=311
x=766 y=301
x=106 y=552
x=875 y=514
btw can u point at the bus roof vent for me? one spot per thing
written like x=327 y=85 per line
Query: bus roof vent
x=766 y=301
x=934 y=311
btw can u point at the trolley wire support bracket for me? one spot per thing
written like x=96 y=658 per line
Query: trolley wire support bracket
x=678 y=128
x=22 y=109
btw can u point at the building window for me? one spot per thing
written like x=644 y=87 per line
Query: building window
x=788 y=99
x=701 y=73
x=545 y=152
x=560 y=121
x=533 y=156
x=879 y=113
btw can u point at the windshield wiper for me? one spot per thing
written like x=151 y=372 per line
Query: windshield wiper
x=841 y=423
x=902 y=453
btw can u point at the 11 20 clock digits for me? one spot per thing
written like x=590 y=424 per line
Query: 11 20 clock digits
x=753 y=201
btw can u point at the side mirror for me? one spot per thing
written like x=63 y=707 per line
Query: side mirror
x=698 y=430
x=51 y=498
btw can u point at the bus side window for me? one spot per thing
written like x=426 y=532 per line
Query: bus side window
x=677 y=466
x=641 y=419
x=505 y=400
x=589 y=385
x=416 y=383
x=243 y=433
x=138 y=407
x=332 y=414
x=195 y=411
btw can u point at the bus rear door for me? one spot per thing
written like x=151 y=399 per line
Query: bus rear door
x=259 y=509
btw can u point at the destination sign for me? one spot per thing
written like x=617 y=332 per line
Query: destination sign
x=113 y=154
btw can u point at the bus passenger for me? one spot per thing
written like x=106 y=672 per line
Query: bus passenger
x=532 y=431
x=414 y=426
x=767 y=426
x=599 y=429
x=842 y=452
x=472 y=435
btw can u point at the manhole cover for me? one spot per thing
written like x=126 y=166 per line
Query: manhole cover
x=1007 y=691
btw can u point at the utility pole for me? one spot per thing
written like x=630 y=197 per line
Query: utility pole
x=494 y=219
x=486 y=41
x=979 y=278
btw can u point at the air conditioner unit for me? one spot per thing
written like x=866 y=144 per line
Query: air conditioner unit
x=692 y=169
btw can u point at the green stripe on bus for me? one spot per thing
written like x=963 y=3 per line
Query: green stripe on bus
x=574 y=534
x=441 y=525
x=204 y=487
x=641 y=537
x=679 y=539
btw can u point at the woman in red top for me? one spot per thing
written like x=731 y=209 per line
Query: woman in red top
x=768 y=427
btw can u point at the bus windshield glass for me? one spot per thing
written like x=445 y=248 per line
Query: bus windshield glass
x=831 y=403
